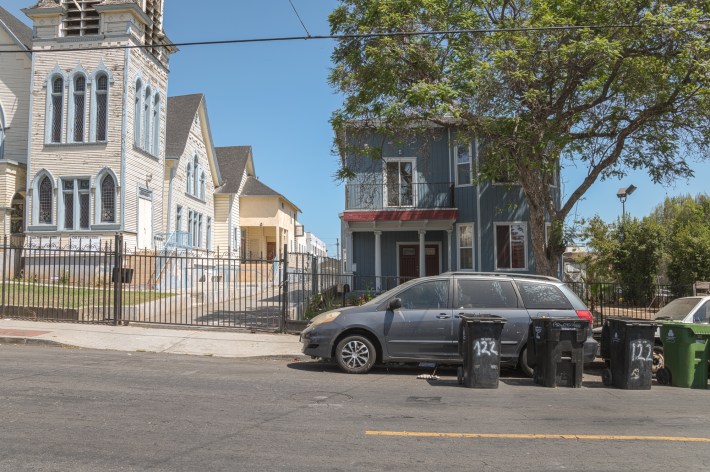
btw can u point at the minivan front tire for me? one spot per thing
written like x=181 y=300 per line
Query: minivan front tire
x=523 y=363
x=355 y=354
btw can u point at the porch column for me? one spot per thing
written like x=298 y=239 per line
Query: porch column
x=378 y=261
x=279 y=250
x=448 y=247
x=349 y=251
x=422 y=253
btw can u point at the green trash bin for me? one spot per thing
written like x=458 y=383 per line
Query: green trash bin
x=686 y=348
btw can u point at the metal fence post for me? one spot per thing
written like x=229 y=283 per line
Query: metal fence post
x=4 y=272
x=284 y=290
x=117 y=279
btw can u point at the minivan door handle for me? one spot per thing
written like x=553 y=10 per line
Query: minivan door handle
x=443 y=316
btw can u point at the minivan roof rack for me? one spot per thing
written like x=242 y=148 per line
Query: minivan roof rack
x=508 y=275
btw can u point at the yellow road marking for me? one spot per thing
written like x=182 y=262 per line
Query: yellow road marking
x=598 y=437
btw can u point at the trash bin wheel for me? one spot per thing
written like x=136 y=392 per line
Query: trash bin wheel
x=663 y=376
x=459 y=375
x=606 y=377
x=658 y=359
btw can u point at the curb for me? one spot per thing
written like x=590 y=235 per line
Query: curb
x=32 y=342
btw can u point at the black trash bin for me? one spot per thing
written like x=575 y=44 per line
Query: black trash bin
x=479 y=345
x=556 y=351
x=627 y=344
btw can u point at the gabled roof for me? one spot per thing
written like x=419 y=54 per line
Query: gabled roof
x=16 y=28
x=180 y=116
x=254 y=188
x=232 y=162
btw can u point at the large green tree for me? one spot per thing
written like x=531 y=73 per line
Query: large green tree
x=628 y=90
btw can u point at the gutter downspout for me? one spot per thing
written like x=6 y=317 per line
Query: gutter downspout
x=28 y=177
x=124 y=127
x=170 y=198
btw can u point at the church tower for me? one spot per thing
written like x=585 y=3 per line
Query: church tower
x=97 y=115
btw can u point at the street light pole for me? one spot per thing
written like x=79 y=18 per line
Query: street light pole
x=623 y=194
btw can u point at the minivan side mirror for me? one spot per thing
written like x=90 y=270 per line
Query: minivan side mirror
x=394 y=304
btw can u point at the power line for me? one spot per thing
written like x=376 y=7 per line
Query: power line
x=345 y=37
x=299 y=19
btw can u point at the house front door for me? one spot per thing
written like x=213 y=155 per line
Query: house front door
x=145 y=224
x=270 y=251
x=409 y=261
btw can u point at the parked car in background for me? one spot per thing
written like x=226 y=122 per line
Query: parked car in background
x=418 y=321
x=683 y=310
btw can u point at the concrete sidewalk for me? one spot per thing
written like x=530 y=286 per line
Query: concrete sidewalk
x=197 y=342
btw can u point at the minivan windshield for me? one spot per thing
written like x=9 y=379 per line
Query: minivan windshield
x=677 y=309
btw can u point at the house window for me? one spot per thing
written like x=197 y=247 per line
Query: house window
x=506 y=172
x=464 y=174
x=101 y=105
x=45 y=201
x=56 y=112
x=196 y=183
x=108 y=200
x=190 y=217
x=178 y=218
x=75 y=203
x=399 y=178
x=80 y=18
x=156 y=125
x=146 y=120
x=511 y=246
x=199 y=230
x=79 y=108
x=209 y=233
x=189 y=177
x=465 y=240
x=137 y=114
x=203 y=185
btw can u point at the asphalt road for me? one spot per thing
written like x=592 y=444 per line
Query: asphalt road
x=81 y=410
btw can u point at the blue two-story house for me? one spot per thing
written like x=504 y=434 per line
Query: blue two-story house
x=418 y=208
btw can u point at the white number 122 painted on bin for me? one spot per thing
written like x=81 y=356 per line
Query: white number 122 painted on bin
x=485 y=347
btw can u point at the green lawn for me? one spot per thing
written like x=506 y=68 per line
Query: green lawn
x=67 y=296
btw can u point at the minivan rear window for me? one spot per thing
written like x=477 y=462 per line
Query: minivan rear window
x=485 y=294
x=538 y=296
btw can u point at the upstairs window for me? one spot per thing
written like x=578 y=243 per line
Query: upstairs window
x=188 y=178
x=464 y=174
x=146 y=120
x=196 y=177
x=101 y=105
x=399 y=178
x=78 y=109
x=203 y=186
x=56 y=110
x=156 y=126
x=137 y=114
x=81 y=18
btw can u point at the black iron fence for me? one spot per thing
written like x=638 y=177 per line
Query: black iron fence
x=52 y=279
x=87 y=280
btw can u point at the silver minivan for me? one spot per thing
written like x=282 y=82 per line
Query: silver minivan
x=419 y=320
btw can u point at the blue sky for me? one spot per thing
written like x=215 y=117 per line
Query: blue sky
x=275 y=97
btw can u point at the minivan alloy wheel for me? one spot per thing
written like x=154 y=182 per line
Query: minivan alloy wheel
x=355 y=354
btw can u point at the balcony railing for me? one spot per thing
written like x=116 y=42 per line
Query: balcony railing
x=399 y=196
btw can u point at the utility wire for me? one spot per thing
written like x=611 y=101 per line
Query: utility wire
x=299 y=19
x=341 y=37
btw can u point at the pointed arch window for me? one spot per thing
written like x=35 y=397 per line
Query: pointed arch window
x=196 y=184
x=189 y=178
x=101 y=104
x=108 y=199
x=45 y=198
x=137 y=114
x=203 y=185
x=78 y=109
x=156 y=125
x=146 y=120
x=56 y=109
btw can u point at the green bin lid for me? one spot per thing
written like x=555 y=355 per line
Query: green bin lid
x=700 y=329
